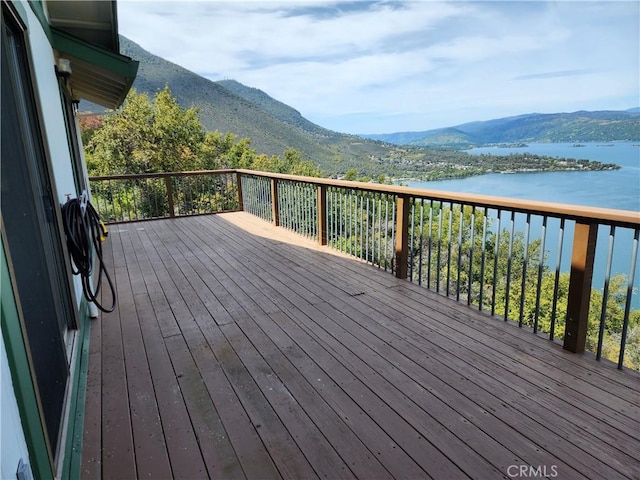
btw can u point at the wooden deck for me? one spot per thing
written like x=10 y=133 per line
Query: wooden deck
x=239 y=350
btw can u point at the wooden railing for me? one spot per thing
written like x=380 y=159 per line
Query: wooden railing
x=128 y=198
x=506 y=257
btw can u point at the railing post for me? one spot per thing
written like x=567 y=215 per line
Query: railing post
x=275 y=209
x=239 y=185
x=584 y=248
x=402 y=236
x=322 y=214
x=169 y=185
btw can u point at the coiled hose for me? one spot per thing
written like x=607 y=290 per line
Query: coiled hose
x=84 y=230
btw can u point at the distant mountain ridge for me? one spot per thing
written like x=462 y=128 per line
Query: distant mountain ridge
x=581 y=126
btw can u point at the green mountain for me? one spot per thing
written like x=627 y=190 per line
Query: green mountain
x=272 y=126
x=600 y=126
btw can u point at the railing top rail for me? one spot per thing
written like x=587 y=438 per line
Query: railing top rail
x=623 y=218
x=626 y=218
x=134 y=176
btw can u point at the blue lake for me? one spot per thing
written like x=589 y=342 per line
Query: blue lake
x=619 y=189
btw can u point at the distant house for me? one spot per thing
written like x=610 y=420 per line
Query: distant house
x=54 y=53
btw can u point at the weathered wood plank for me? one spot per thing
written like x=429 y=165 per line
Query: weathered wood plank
x=118 y=455
x=151 y=456
x=315 y=447
x=247 y=444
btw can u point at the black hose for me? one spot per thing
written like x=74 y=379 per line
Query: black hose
x=84 y=230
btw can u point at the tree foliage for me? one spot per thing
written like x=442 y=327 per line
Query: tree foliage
x=158 y=135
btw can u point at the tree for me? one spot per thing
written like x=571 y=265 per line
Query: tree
x=160 y=136
x=351 y=174
x=147 y=137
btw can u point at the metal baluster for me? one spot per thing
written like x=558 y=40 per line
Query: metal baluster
x=393 y=233
x=245 y=183
x=411 y=239
x=605 y=292
x=471 y=245
x=154 y=186
x=460 y=227
x=309 y=211
x=135 y=187
x=380 y=230
x=211 y=201
x=266 y=188
x=128 y=190
x=421 y=240
x=361 y=221
x=330 y=215
x=297 y=209
x=122 y=188
x=509 y=264
x=191 y=202
x=305 y=211
x=525 y=264
x=112 y=214
x=430 y=240
x=343 y=223
x=293 y=205
x=312 y=192
x=485 y=224
x=366 y=226
x=556 y=283
x=627 y=305
x=386 y=233
x=349 y=220
x=257 y=198
x=449 y=236
x=540 y=273
x=495 y=264
x=373 y=228
x=283 y=205
x=336 y=212
x=438 y=258
x=262 y=204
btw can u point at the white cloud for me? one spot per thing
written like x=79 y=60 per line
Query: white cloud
x=389 y=66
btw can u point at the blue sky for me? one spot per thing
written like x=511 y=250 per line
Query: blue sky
x=389 y=66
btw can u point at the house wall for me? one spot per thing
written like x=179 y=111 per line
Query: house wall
x=55 y=135
x=14 y=429
x=13 y=445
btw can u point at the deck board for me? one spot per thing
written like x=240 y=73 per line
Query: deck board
x=243 y=350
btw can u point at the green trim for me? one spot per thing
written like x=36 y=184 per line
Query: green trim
x=99 y=67
x=38 y=9
x=21 y=376
x=94 y=55
x=71 y=468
